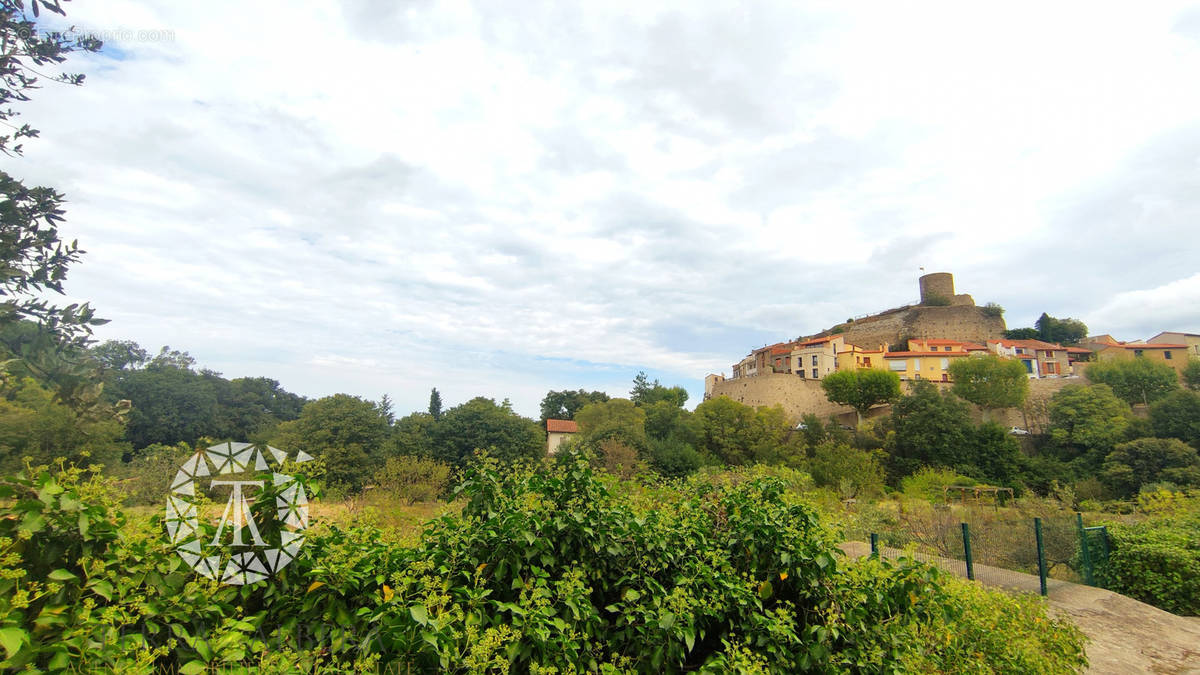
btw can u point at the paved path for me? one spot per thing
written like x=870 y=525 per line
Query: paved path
x=1126 y=636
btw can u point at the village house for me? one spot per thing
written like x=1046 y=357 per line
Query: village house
x=814 y=359
x=1041 y=359
x=1192 y=340
x=1174 y=355
x=558 y=431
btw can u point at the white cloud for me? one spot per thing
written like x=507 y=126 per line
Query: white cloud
x=388 y=197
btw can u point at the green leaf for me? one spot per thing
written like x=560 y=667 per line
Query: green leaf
x=193 y=667
x=12 y=639
x=765 y=590
x=62 y=575
x=34 y=522
x=419 y=614
x=84 y=524
x=101 y=588
x=666 y=620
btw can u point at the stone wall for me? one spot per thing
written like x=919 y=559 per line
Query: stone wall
x=799 y=396
x=966 y=323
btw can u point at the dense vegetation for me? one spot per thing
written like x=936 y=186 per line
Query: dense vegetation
x=548 y=569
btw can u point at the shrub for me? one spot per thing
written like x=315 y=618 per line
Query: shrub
x=991 y=309
x=930 y=483
x=413 y=479
x=546 y=570
x=1157 y=563
x=852 y=471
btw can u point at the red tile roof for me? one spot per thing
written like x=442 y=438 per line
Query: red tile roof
x=1148 y=345
x=974 y=347
x=563 y=426
x=891 y=354
x=939 y=342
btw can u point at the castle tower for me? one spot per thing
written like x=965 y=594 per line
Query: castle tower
x=937 y=285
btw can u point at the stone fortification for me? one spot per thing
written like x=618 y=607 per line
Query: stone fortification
x=799 y=396
x=966 y=323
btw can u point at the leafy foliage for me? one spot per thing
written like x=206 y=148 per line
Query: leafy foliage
x=853 y=472
x=33 y=260
x=562 y=405
x=645 y=392
x=1191 y=374
x=1151 y=460
x=1060 y=331
x=413 y=479
x=734 y=433
x=1137 y=380
x=482 y=424
x=990 y=381
x=861 y=389
x=37 y=426
x=1157 y=561
x=1177 y=415
x=555 y=570
x=346 y=431
x=1086 y=422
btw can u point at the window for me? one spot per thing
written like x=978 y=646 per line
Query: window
x=1137 y=352
x=898 y=365
x=916 y=376
x=1167 y=355
x=814 y=361
x=867 y=361
x=947 y=349
x=916 y=364
x=815 y=376
x=945 y=364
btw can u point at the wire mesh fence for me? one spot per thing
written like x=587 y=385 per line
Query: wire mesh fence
x=1020 y=548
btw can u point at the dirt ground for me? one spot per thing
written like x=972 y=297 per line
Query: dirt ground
x=1125 y=636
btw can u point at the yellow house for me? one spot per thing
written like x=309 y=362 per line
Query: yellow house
x=1174 y=355
x=923 y=365
x=853 y=357
x=814 y=359
x=1192 y=340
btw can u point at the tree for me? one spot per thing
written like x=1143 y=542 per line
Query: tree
x=386 y=409
x=616 y=418
x=1150 y=460
x=435 y=404
x=734 y=433
x=1191 y=374
x=664 y=418
x=851 y=471
x=1087 y=422
x=33 y=260
x=562 y=405
x=120 y=355
x=33 y=424
x=990 y=382
x=169 y=404
x=1060 y=331
x=993 y=455
x=861 y=389
x=1022 y=334
x=413 y=435
x=347 y=431
x=1137 y=380
x=928 y=429
x=645 y=392
x=481 y=424
x=1177 y=416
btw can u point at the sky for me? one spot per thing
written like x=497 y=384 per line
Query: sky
x=501 y=199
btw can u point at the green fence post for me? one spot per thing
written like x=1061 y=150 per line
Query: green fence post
x=874 y=544
x=1041 y=553
x=1083 y=546
x=967 y=550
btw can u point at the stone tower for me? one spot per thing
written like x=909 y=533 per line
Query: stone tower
x=937 y=285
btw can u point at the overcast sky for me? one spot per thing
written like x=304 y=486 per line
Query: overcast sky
x=505 y=198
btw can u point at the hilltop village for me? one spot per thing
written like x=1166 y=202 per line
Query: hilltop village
x=919 y=342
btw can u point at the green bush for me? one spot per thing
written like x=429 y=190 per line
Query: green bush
x=413 y=479
x=1157 y=562
x=547 y=570
x=851 y=471
x=930 y=483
